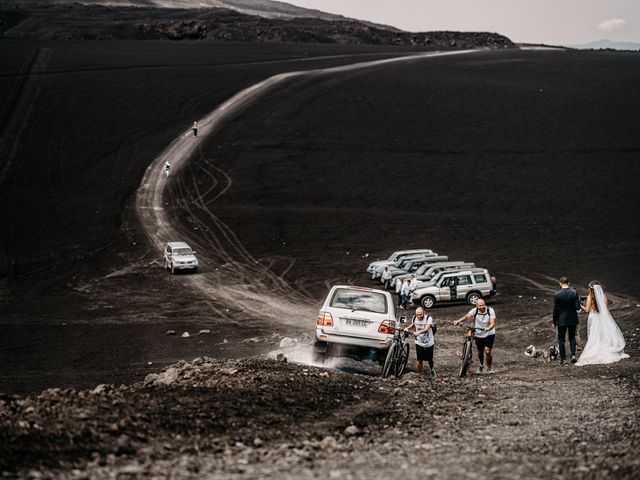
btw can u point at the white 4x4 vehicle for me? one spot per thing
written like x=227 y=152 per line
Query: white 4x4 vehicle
x=355 y=322
x=179 y=256
x=395 y=256
x=469 y=285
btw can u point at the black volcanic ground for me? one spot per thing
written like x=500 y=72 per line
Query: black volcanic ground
x=522 y=161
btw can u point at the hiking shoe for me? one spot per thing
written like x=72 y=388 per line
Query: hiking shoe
x=480 y=368
x=563 y=363
x=489 y=371
x=574 y=359
x=434 y=375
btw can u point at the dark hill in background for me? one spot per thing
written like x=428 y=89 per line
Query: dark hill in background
x=262 y=8
x=29 y=20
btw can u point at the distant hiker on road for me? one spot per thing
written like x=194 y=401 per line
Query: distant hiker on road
x=167 y=168
x=425 y=343
x=566 y=305
x=386 y=278
x=195 y=129
x=485 y=321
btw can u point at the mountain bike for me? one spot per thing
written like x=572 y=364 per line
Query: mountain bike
x=467 y=350
x=397 y=355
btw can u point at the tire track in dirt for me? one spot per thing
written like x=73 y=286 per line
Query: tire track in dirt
x=241 y=279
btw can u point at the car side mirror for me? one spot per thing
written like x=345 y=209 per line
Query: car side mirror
x=194 y=252
x=402 y=320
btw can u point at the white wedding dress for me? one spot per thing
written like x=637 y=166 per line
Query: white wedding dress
x=605 y=342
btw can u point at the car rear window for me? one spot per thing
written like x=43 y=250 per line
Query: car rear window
x=351 y=299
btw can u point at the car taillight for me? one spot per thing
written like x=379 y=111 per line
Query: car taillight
x=325 y=318
x=387 y=327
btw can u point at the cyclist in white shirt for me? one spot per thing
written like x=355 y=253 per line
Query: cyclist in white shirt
x=485 y=320
x=425 y=343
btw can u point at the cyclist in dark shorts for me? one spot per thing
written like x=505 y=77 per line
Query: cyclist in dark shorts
x=484 y=319
x=425 y=343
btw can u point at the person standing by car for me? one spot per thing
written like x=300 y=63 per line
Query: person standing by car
x=195 y=129
x=485 y=334
x=404 y=293
x=425 y=342
x=413 y=285
x=167 y=168
x=398 y=287
x=386 y=278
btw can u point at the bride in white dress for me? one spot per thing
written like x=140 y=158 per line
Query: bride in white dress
x=605 y=343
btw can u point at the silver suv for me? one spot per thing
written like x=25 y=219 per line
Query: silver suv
x=395 y=256
x=428 y=271
x=468 y=285
x=179 y=256
x=355 y=322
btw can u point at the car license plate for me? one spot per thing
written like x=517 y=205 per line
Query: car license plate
x=357 y=323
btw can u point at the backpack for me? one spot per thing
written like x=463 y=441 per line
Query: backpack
x=475 y=314
x=434 y=328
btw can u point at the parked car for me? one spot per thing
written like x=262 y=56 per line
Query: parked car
x=394 y=257
x=429 y=270
x=179 y=256
x=412 y=266
x=356 y=322
x=468 y=285
x=402 y=264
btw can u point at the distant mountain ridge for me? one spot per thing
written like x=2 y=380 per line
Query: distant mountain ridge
x=608 y=44
x=121 y=19
x=262 y=8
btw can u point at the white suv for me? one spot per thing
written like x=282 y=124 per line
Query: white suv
x=395 y=256
x=179 y=256
x=356 y=322
x=469 y=285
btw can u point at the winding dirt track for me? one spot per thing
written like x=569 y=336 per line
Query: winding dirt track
x=229 y=278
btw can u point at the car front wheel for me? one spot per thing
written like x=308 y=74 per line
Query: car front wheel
x=428 y=301
x=473 y=297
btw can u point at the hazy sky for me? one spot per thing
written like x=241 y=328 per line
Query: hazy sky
x=544 y=21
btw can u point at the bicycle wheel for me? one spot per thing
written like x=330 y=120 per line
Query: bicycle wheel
x=466 y=358
x=403 y=358
x=390 y=361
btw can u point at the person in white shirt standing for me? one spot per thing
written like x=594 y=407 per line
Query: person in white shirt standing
x=404 y=294
x=398 y=286
x=386 y=278
x=485 y=323
x=413 y=286
x=425 y=343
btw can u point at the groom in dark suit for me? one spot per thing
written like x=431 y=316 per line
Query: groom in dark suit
x=566 y=305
